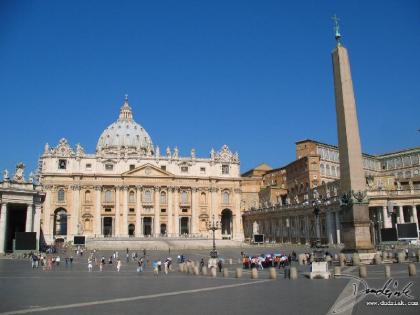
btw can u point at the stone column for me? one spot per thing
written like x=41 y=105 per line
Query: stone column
x=98 y=217
x=307 y=234
x=414 y=216
x=330 y=228
x=157 y=211
x=117 y=211
x=176 y=212
x=29 y=217
x=338 y=227
x=75 y=215
x=237 y=226
x=125 y=211
x=3 y=226
x=138 y=211
x=400 y=214
x=386 y=218
x=170 y=228
x=194 y=211
x=47 y=227
x=37 y=223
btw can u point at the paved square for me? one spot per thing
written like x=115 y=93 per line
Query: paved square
x=75 y=290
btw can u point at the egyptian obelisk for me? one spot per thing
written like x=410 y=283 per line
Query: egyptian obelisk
x=354 y=210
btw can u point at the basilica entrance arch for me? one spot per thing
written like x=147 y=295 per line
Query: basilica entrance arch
x=60 y=222
x=131 y=230
x=184 y=226
x=107 y=226
x=147 y=226
x=163 y=229
x=226 y=222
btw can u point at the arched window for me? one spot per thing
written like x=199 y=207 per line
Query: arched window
x=226 y=197
x=147 y=196
x=87 y=196
x=184 y=197
x=60 y=195
x=203 y=198
x=163 y=197
x=131 y=197
x=108 y=196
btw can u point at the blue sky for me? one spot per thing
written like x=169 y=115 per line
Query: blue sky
x=256 y=75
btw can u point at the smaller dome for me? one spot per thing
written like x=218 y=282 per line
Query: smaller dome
x=125 y=134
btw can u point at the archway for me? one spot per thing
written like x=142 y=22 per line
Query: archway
x=185 y=225
x=163 y=229
x=147 y=226
x=226 y=222
x=60 y=222
x=131 y=230
x=107 y=226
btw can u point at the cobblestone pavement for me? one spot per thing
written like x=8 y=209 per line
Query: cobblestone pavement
x=74 y=290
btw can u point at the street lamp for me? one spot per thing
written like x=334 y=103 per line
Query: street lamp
x=213 y=226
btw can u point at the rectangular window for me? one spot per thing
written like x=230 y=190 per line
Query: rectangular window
x=225 y=169
x=184 y=210
x=163 y=167
x=202 y=170
x=62 y=164
x=88 y=166
x=109 y=167
x=131 y=210
x=184 y=169
x=108 y=209
x=162 y=210
x=132 y=166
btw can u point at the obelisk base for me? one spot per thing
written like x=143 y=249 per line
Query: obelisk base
x=356 y=232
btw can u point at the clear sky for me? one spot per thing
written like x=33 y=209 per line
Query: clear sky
x=256 y=75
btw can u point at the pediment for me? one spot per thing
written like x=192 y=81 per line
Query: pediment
x=147 y=170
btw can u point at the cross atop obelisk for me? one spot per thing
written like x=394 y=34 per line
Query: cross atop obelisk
x=337 y=29
x=355 y=211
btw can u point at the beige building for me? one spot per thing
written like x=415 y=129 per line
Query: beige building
x=393 y=192
x=129 y=188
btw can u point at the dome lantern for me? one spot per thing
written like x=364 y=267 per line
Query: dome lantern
x=125 y=135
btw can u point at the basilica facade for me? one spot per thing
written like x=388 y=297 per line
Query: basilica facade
x=129 y=188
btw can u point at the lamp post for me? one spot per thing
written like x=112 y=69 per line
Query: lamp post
x=319 y=254
x=213 y=226
x=317 y=210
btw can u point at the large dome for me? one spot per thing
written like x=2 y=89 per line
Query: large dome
x=125 y=135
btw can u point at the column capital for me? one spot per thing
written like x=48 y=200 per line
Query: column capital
x=124 y=187
x=98 y=188
x=75 y=187
x=139 y=187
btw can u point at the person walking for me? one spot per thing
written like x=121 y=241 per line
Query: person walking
x=220 y=265
x=118 y=265
x=201 y=265
x=155 y=268
x=90 y=266
x=165 y=267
